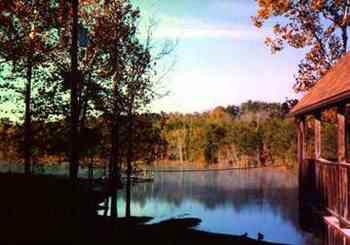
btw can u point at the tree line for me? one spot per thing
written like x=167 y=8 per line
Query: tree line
x=252 y=134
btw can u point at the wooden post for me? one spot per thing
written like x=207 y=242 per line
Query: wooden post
x=318 y=184
x=341 y=133
x=301 y=155
x=317 y=136
x=342 y=197
x=301 y=140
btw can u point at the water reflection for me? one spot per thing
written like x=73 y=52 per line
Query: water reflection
x=235 y=202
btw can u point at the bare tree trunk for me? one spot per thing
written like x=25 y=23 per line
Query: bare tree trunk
x=91 y=169
x=129 y=165
x=128 y=193
x=345 y=39
x=113 y=168
x=106 y=206
x=28 y=121
x=180 y=153
x=234 y=154
x=74 y=80
x=114 y=205
x=344 y=27
x=104 y=168
x=258 y=156
x=113 y=172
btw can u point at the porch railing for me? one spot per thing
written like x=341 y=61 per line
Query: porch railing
x=326 y=184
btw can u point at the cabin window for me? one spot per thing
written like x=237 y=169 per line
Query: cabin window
x=329 y=135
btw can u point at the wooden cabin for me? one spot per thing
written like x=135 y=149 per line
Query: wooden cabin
x=325 y=182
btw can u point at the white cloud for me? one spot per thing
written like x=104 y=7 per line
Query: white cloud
x=209 y=32
x=197 y=90
x=176 y=28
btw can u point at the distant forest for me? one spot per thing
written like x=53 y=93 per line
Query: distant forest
x=252 y=134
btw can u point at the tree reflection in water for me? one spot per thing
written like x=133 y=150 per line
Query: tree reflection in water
x=235 y=202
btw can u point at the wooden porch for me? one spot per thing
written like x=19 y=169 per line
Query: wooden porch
x=324 y=182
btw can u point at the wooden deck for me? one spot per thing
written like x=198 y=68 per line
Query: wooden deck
x=325 y=185
x=335 y=233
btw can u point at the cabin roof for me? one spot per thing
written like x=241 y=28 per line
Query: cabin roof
x=333 y=88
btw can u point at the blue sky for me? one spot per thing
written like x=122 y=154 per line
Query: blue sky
x=221 y=57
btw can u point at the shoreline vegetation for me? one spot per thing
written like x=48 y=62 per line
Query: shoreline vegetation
x=62 y=168
x=253 y=134
x=202 y=167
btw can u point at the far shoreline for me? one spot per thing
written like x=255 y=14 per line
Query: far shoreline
x=169 y=167
x=209 y=169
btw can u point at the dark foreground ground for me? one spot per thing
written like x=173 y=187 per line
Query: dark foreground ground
x=174 y=231
x=50 y=209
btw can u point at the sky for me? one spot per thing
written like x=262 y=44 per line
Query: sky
x=220 y=56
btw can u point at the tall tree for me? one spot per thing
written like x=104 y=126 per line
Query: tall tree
x=139 y=93
x=25 y=30
x=128 y=66
x=75 y=80
x=116 y=27
x=318 y=26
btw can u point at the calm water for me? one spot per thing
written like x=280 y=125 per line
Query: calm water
x=233 y=202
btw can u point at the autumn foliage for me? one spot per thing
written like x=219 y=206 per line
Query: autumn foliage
x=320 y=27
x=66 y=63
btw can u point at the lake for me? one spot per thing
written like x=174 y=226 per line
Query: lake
x=233 y=201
